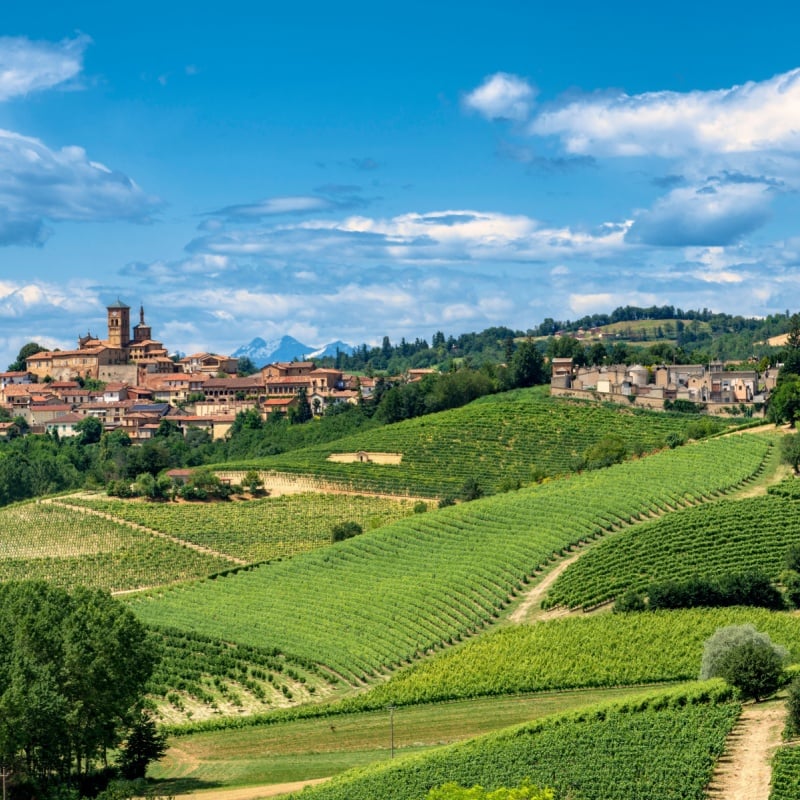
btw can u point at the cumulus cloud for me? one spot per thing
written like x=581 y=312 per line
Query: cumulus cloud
x=502 y=96
x=755 y=116
x=27 y=66
x=38 y=184
x=714 y=214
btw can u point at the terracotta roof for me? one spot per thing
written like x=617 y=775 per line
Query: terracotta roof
x=234 y=383
x=288 y=379
x=68 y=418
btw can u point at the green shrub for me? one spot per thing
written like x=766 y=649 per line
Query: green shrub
x=345 y=530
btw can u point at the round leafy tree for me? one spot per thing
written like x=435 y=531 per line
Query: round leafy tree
x=745 y=658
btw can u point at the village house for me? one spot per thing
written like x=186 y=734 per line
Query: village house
x=209 y=363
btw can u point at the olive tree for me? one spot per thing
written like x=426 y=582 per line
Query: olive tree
x=745 y=658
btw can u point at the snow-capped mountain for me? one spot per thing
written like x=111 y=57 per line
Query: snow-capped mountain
x=287 y=348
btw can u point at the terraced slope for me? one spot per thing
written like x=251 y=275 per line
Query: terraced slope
x=517 y=436
x=63 y=545
x=663 y=746
x=385 y=598
x=707 y=541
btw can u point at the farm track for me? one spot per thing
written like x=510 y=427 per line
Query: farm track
x=744 y=770
x=253 y=792
x=150 y=531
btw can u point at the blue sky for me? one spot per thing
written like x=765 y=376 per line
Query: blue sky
x=354 y=170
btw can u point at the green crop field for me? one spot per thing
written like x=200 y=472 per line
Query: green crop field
x=602 y=650
x=786 y=774
x=210 y=754
x=50 y=542
x=387 y=597
x=717 y=538
x=255 y=530
x=664 y=747
x=517 y=436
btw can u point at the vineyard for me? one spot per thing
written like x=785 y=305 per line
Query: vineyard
x=46 y=541
x=255 y=530
x=786 y=774
x=708 y=541
x=198 y=677
x=519 y=436
x=386 y=598
x=661 y=747
x=603 y=650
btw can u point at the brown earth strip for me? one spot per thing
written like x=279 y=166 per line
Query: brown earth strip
x=745 y=770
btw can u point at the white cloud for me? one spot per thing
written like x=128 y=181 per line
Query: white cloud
x=38 y=184
x=502 y=96
x=452 y=236
x=714 y=214
x=27 y=66
x=756 y=116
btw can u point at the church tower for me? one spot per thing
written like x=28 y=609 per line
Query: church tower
x=142 y=332
x=119 y=325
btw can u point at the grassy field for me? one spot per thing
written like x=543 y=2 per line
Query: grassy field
x=498 y=440
x=315 y=748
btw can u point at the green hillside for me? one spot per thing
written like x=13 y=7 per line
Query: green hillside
x=709 y=541
x=663 y=746
x=497 y=440
x=388 y=597
x=602 y=650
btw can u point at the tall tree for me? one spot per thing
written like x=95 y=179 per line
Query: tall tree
x=72 y=668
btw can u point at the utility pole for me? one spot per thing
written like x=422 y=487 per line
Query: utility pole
x=391 y=728
x=5 y=773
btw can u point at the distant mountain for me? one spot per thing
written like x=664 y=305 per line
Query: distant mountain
x=330 y=350
x=287 y=348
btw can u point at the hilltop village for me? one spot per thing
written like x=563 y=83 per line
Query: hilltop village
x=718 y=389
x=141 y=385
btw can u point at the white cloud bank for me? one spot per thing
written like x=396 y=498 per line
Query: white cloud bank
x=756 y=116
x=27 y=66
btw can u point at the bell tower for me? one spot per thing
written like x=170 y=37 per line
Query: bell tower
x=119 y=325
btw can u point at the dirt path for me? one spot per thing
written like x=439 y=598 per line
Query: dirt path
x=537 y=593
x=151 y=531
x=744 y=771
x=252 y=792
